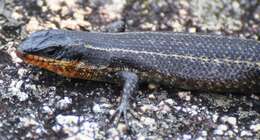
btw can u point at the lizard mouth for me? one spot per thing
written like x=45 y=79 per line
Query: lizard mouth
x=61 y=67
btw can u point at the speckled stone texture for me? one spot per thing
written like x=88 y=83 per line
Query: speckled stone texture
x=36 y=104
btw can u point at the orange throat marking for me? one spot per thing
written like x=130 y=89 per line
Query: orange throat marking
x=61 y=67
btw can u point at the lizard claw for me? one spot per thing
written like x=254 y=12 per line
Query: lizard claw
x=121 y=111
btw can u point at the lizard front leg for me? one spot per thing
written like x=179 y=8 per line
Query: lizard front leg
x=130 y=84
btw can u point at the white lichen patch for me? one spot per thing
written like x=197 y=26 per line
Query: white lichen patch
x=15 y=90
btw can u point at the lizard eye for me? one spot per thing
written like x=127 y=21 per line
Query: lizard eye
x=52 y=51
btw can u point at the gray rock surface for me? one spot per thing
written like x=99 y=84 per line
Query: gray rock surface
x=37 y=104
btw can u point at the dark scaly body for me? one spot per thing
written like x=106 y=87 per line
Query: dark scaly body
x=187 y=61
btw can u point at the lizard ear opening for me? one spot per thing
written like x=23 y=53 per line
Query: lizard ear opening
x=97 y=60
x=96 y=63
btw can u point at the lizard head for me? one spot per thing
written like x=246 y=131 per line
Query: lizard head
x=59 y=51
x=54 y=44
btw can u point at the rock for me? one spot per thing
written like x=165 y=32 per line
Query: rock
x=33 y=25
x=64 y=103
x=96 y=108
x=230 y=120
x=221 y=129
x=245 y=133
x=27 y=121
x=148 y=121
x=255 y=127
x=122 y=128
x=54 y=5
x=185 y=95
x=47 y=109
